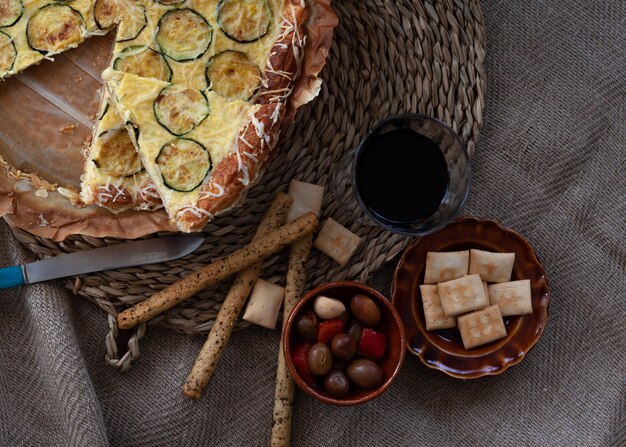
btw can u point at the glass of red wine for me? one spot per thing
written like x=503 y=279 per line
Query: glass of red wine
x=410 y=174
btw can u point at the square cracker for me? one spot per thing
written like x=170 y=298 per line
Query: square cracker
x=433 y=312
x=514 y=298
x=481 y=327
x=264 y=304
x=462 y=295
x=492 y=267
x=306 y=197
x=337 y=241
x=444 y=266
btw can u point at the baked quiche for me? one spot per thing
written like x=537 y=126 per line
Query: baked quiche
x=181 y=134
x=231 y=74
x=187 y=73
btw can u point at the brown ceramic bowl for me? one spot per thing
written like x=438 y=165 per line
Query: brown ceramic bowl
x=443 y=349
x=391 y=326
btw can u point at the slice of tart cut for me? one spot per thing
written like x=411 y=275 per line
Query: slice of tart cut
x=115 y=175
x=174 y=45
x=188 y=46
x=182 y=136
x=34 y=30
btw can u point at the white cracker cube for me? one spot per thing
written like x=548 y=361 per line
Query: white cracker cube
x=307 y=197
x=444 y=266
x=433 y=312
x=481 y=327
x=514 y=298
x=492 y=267
x=462 y=295
x=337 y=241
x=264 y=304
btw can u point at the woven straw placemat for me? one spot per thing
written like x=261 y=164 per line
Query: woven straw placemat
x=388 y=57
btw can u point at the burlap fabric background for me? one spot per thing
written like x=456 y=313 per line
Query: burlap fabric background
x=551 y=163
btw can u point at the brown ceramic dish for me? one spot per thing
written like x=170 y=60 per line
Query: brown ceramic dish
x=391 y=326
x=443 y=349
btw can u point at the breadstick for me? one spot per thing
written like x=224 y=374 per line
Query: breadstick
x=226 y=318
x=217 y=271
x=285 y=386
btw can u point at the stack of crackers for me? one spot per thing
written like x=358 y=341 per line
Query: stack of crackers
x=472 y=290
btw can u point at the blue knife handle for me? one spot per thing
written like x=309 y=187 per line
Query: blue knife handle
x=11 y=277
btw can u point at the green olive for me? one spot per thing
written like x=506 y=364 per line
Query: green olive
x=336 y=383
x=320 y=359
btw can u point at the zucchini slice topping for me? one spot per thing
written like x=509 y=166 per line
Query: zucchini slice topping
x=143 y=62
x=133 y=23
x=7 y=53
x=104 y=109
x=117 y=156
x=180 y=109
x=244 y=20
x=170 y=2
x=129 y=17
x=184 y=164
x=107 y=13
x=54 y=28
x=183 y=34
x=233 y=75
x=10 y=12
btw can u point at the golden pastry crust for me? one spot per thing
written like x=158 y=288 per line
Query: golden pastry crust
x=240 y=168
x=286 y=55
x=120 y=197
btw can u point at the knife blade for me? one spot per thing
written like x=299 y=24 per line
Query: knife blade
x=129 y=254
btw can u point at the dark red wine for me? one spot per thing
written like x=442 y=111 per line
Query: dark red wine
x=401 y=176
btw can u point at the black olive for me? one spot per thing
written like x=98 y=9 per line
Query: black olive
x=365 y=374
x=306 y=326
x=320 y=359
x=343 y=346
x=354 y=330
x=336 y=383
x=366 y=310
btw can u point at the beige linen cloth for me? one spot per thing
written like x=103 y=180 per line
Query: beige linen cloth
x=551 y=163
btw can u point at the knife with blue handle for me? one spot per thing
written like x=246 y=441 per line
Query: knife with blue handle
x=130 y=254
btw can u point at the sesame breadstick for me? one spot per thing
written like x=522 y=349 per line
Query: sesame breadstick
x=285 y=386
x=219 y=335
x=217 y=271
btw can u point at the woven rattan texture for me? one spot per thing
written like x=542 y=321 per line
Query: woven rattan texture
x=388 y=57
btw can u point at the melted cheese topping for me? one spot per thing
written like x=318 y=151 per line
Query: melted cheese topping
x=134 y=98
x=191 y=74
x=26 y=56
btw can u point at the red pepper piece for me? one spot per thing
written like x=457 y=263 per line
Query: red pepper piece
x=372 y=344
x=299 y=358
x=328 y=329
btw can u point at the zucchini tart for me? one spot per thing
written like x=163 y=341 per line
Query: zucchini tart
x=203 y=97
x=197 y=93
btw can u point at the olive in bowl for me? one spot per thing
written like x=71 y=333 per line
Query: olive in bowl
x=349 y=357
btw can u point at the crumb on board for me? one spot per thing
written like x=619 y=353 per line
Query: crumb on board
x=43 y=222
x=41 y=184
x=68 y=130
x=77 y=79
